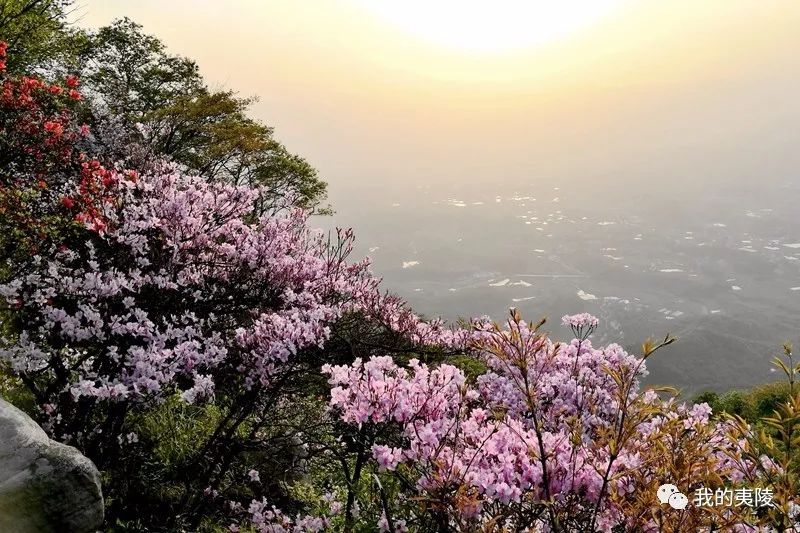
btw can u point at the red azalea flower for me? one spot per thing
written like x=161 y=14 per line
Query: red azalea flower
x=71 y=81
x=54 y=128
x=67 y=202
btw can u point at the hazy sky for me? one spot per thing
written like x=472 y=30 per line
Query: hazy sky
x=658 y=93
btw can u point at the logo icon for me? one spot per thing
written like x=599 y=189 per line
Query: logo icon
x=678 y=501
x=669 y=493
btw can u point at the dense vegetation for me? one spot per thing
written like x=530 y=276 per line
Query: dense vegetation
x=168 y=311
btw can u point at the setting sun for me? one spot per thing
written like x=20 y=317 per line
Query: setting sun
x=491 y=27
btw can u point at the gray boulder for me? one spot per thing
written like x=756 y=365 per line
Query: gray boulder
x=45 y=486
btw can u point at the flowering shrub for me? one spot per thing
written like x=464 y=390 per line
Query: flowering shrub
x=160 y=285
x=182 y=338
x=205 y=259
x=555 y=436
x=40 y=157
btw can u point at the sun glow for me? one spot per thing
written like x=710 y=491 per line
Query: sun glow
x=491 y=26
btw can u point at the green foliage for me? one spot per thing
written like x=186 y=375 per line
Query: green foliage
x=709 y=397
x=471 y=366
x=14 y=391
x=38 y=37
x=752 y=405
x=175 y=428
x=132 y=74
x=766 y=399
x=735 y=402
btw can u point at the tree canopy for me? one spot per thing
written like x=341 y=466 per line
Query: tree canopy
x=38 y=36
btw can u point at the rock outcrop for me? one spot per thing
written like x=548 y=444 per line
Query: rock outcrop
x=45 y=486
